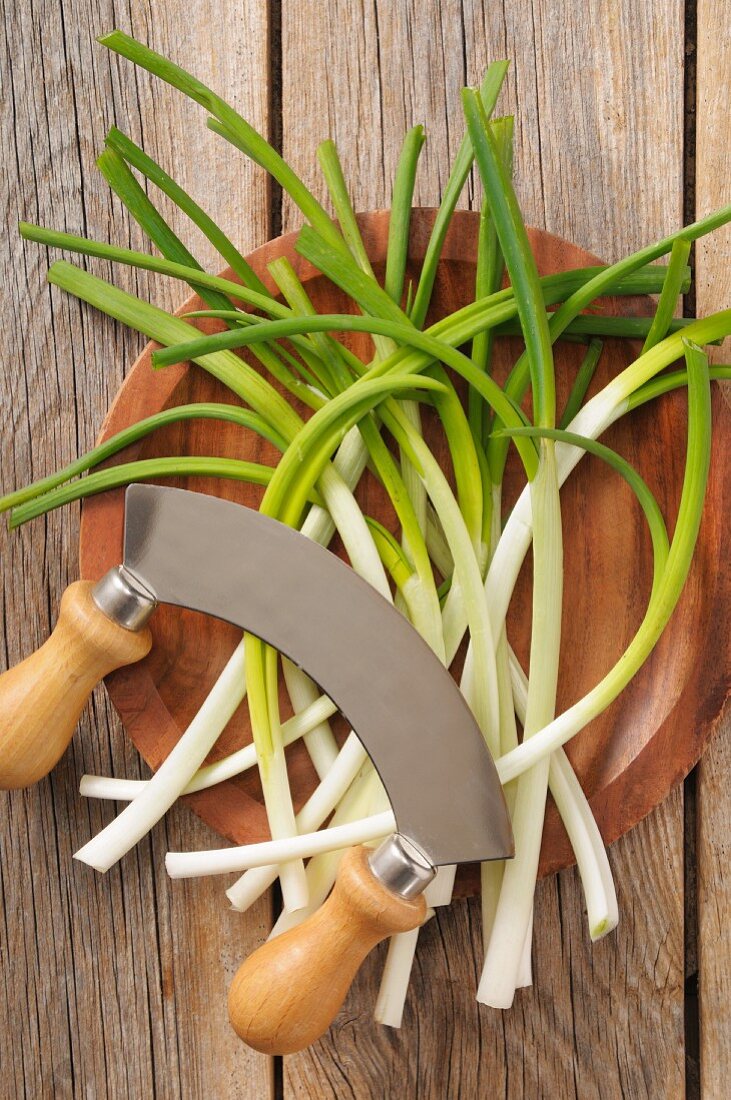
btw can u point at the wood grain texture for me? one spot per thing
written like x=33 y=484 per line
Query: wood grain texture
x=713 y=852
x=112 y=986
x=598 y=97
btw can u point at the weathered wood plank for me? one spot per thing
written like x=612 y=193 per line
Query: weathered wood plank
x=713 y=282
x=712 y=160
x=598 y=106
x=714 y=913
x=115 y=986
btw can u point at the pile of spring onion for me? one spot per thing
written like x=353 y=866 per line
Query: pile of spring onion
x=455 y=562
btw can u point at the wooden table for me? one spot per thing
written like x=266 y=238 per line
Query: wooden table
x=115 y=985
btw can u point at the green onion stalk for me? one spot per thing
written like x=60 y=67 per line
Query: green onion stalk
x=388 y=474
x=583 y=832
x=489 y=272
x=502 y=584
x=341 y=202
x=412 y=574
x=504 y=949
x=623 y=393
x=415 y=585
x=222 y=861
x=464 y=458
x=601 y=900
x=346 y=790
x=333 y=173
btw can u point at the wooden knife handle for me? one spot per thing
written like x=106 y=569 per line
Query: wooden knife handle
x=41 y=699
x=288 y=992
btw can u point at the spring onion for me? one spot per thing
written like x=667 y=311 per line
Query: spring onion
x=447 y=558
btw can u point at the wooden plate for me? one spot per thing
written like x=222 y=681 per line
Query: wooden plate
x=631 y=756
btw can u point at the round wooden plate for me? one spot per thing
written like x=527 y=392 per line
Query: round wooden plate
x=630 y=757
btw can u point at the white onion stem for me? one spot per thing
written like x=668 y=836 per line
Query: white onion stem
x=221 y=861
x=173 y=775
x=440 y=889
x=396 y=976
x=586 y=840
x=592 y=860
x=595 y=417
x=250 y=887
x=280 y=816
x=124 y=790
x=321 y=745
x=319 y=805
x=252 y=884
x=506 y=947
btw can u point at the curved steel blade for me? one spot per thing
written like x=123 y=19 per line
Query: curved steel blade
x=232 y=562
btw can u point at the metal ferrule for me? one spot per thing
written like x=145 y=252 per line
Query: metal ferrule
x=401 y=866
x=123 y=598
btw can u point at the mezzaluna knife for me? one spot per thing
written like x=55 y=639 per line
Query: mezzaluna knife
x=211 y=555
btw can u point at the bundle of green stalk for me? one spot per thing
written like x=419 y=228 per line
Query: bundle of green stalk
x=453 y=570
